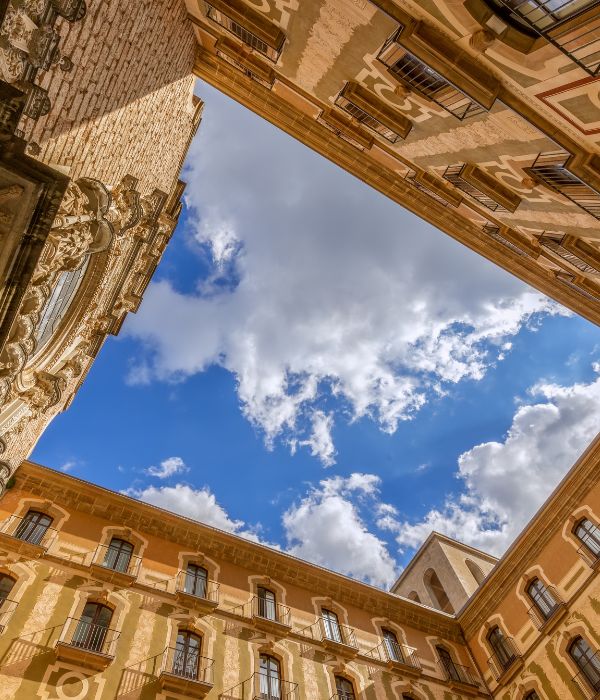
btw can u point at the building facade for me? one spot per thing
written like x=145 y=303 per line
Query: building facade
x=103 y=596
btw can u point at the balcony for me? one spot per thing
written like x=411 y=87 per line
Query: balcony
x=411 y=72
x=120 y=570
x=550 y=169
x=399 y=658
x=548 y=611
x=589 y=556
x=587 y=680
x=86 y=645
x=7 y=608
x=270 y=616
x=573 y=33
x=197 y=594
x=185 y=672
x=556 y=243
x=26 y=537
x=460 y=678
x=339 y=639
x=493 y=231
x=261 y=686
x=482 y=187
x=505 y=662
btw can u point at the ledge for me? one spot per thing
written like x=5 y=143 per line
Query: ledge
x=84 y=658
x=187 y=687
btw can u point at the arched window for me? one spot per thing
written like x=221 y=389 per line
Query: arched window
x=33 y=527
x=92 y=628
x=501 y=647
x=58 y=303
x=270 y=678
x=476 y=571
x=589 y=534
x=344 y=688
x=392 y=649
x=118 y=555
x=196 y=580
x=587 y=661
x=447 y=663
x=267 y=607
x=331 y=626
x=542 y=598
x=531 y=695
x=437 y=592
x=186 y=660
x=413 y=595
x=6 y=584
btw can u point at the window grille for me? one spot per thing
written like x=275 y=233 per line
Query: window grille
x=270 y=44
x=573 y=26
x=552 y=171
x=418 y=76
x=554 y=242
x=494 y=232
x=411 y=176
x=569 y=281
x=246 y=69
x=454 y=174
x=345 y=129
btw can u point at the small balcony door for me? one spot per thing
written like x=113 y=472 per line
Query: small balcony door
x=33 y=527
x=392 y=648
x=542 y=598
x=502 y=651
x=186 y=662
x=448 y=663
x=196 y=581
x=589 y=535
x=587 y=661
x=332 y=626
x=344 y=688
x=118 y=555
x=270 y=678
x=92 y=629
x=6 y=586
x=266 y=604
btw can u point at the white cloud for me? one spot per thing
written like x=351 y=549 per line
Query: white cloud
x=326 y=528
x=320 y=288
x=506 y=482
x=68 y=466
x=168 y=467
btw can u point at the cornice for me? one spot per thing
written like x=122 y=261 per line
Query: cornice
x=304 y=128
x=583 y=476
x=118 y=509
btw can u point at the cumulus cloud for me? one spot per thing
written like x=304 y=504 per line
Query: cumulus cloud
x=168 y=467
x=505 y=482
x=320 y=289
x=326 y=528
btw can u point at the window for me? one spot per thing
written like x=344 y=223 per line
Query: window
x=344 y=688
x=6 y=584
x=501 y=648
x=332 y=626
x=587 y=661
x=33 y=527
x=589 y=535
x=476 y=571
x=448 y=663
x=270 y=678
x=267 y=607
x=531 y=695
x=392 y=648
x=118 y=555
x=186 y=659
x=413 y=595
x=196 y=580
x=542 y=598
x=436 y=591
x=92 y=628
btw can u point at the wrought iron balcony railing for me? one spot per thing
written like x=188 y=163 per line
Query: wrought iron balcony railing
x=455 y=673
x=203 y=589
x=270 y=610
x=115 y=560
x=494 y=232
x=262 y=686
x=90 y=637
x=504 y=657
x=545 y=607
x=29 y=531
x=573 y=27
x=591 y=557
x=395 y=653
x=326 y=632
x=7 y=608
x=551 y=170
x=186 y=663
x=588 y=679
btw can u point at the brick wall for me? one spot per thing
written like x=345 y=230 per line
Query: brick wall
x=126 y=106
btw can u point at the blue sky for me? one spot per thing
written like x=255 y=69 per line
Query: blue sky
x=316 y=368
